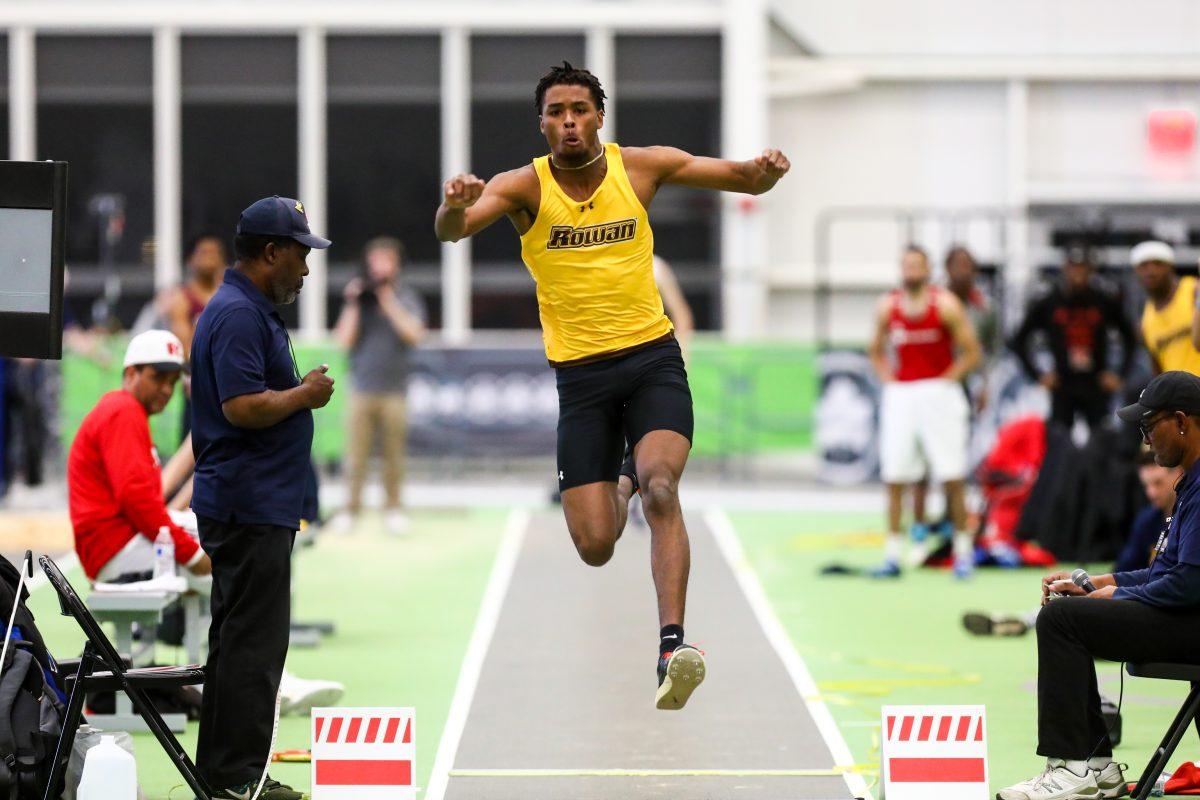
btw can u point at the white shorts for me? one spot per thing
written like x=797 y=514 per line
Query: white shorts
x=924 y=428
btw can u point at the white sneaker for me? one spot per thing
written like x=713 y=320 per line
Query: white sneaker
x=1111 y=781
x=395 y=522
x=299 y=696
x=1055 y=783
x=341 y=522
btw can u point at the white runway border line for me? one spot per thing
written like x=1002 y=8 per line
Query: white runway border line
x=727 y=541
x=481 y=639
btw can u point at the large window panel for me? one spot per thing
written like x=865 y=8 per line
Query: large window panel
x=94 y=111
x=384 y=146
x=504 y=135
x=239 y=126
x=668 y=91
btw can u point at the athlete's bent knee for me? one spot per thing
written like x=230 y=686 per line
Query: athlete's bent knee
x=660 y=495
x=594 y=552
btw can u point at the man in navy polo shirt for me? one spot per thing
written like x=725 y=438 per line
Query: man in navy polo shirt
x=252 y=430
x=1145 y=615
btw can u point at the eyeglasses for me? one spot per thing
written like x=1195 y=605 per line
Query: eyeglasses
x=1146 y=426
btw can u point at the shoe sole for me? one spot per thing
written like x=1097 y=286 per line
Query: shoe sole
x=1097 y=795
x=315 y=699
x=984 y=625
x=1115 y=791
x=685 y=671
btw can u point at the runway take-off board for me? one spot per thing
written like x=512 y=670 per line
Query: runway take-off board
x=556 y=699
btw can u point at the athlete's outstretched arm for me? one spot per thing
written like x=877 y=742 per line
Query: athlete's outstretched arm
x=469 y=204
x=755 y=176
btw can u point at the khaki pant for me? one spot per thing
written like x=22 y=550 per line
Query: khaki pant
x=376 y=417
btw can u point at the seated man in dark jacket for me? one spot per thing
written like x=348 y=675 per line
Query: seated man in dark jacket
x=1151 y=614
x=1159 y=483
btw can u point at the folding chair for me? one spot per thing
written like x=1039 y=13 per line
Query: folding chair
x=1187 y=713
x=99 y=652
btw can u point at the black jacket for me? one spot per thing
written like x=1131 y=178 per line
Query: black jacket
x=1077 y=328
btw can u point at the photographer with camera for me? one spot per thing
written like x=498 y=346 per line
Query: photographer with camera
x=1146 y=615
x=380 y=322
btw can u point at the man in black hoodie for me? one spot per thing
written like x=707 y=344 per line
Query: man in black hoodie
x=1076 y=318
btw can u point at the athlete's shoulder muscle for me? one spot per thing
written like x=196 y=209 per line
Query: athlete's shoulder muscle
x=647 y=167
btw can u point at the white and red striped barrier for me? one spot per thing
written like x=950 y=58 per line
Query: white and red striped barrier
x=360 y=753
x=935 y=753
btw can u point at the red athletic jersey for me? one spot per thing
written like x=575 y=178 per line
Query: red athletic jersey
x=114 y=484
x=924 y=347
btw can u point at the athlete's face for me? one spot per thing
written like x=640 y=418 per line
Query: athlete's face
x=1077 y=276
x=287 y=269
x=570 y=122
x=1155 y=276
x=914 y=271
x=207 y=259
x=960 y=270
x=1159 y=483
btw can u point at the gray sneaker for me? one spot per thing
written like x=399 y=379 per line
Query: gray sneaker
x=1055 y=783
x=1111 y=781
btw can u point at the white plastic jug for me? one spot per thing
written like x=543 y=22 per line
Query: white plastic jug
x=109 y=773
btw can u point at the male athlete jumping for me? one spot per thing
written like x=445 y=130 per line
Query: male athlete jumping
x=623 y=392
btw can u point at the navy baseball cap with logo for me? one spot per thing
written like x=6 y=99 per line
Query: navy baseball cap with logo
x=1170 y=391
x=280 y=216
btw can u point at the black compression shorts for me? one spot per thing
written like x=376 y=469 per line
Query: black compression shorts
x=605 y=404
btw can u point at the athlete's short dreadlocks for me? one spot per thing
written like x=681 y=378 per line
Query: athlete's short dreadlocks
x=566 y=75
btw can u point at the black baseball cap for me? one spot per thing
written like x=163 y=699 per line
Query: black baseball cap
x=280 y=216
x=1170 y=391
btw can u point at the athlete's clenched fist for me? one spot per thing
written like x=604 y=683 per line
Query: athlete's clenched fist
x=773 y=163
x=462 y=191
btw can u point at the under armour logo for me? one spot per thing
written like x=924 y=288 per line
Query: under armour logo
x=560 y=474
x=589 y=205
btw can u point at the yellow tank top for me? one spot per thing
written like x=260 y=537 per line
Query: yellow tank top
x=1168 y=333
x=593 y=261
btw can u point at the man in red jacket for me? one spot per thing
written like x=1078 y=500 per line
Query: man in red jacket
x=113 y=472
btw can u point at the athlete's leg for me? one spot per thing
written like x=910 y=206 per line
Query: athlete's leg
x=956 y=503
x=660 y=457
x=590 y=446
x=595 y=516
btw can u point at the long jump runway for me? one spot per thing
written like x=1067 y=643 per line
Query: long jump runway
x=564 y=705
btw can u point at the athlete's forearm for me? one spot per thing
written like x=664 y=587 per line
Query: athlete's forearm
x=964 y=365
x=450 y=225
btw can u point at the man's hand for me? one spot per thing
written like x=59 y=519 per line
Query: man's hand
x=202 y=567
x=318 y=387
x=353 y=290
x=462 y=191
x=773 y=164
x=1103 y=593
x=1059 y=582
x=386 y=295
x=1049 y=380
x=1110 y=382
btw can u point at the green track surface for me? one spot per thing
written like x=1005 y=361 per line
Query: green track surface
x=872 y=643
x=404 y=610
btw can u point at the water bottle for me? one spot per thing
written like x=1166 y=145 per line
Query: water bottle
x=109 y=773
x=164 y=553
